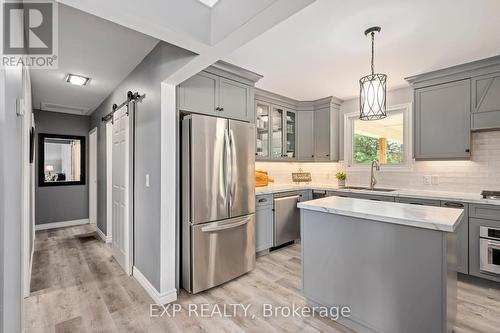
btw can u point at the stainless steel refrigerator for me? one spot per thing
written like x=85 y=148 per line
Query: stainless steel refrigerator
x=218 y=201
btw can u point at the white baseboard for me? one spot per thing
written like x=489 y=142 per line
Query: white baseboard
x=62 y=224
x=105 y=238
x=162 y=298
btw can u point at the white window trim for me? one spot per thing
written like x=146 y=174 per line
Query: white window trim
x=408 y=126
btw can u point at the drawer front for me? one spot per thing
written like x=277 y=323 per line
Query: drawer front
x=421 y=202
x=373 y=197
x=490 y=212
x=264 y=200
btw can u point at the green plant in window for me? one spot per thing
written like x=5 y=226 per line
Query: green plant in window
x=341 y=175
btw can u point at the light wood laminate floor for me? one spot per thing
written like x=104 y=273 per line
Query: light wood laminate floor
x=78 y=287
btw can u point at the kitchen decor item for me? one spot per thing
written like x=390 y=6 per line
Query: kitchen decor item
x=262 y=178
x=341 y=177
x=301 y=177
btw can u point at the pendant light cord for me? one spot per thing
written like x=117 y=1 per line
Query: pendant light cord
x=373 y=41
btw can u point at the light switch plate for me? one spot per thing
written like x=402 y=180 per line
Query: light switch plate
x=427 y=180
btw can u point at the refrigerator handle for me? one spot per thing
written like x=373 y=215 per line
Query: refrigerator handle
x=232 y=185
x=228 y=164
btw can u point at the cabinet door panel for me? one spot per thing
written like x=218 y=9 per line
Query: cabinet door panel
x=305 y=136
x=198 y=94
x=290 y=138
x=486 y=101
x=263 y=228
x=442 y=121
x=277 y=116
x=262 y=126
x=322 y=134
x=234 y=99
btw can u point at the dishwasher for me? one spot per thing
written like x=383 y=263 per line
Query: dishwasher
x=286 y=218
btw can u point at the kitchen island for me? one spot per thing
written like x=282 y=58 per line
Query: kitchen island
x=393 y=264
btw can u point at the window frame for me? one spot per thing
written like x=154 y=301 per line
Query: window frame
x=406 y=109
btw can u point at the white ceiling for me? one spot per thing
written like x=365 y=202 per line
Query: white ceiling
x=93 y=47
x=322 y=51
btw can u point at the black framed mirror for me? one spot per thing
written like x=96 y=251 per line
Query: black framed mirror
x=61 y=160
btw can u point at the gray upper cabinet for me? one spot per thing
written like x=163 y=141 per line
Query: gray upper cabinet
x=305 y=134
x=221 y=90
x=234 y=100
x=486 y=101
x=198 y=94
x=322 y=129
x=442 y=121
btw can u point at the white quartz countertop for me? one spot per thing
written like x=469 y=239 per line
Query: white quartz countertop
x=428 y=217
x=404 y=193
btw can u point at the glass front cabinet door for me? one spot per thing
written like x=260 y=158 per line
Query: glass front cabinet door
x=262 y=120
x=277 y=117
x=291 y=134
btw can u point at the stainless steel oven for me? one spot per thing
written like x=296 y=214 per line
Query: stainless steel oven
x=489 y=250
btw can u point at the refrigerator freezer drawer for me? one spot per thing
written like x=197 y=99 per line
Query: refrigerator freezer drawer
x=221 y=251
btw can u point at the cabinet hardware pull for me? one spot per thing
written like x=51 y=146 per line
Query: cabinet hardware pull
x=467 y=150
x=454 y=204
x=217 y=108
x=327 y=155
x=221 y=109
x=262 y=200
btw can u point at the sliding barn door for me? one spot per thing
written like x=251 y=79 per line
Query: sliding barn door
x=121 y=184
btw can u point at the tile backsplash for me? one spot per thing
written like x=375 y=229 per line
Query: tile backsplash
x=480 y=173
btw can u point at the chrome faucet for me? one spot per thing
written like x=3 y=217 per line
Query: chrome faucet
x=373 y=180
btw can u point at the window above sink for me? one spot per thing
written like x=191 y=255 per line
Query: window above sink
x=387 y=140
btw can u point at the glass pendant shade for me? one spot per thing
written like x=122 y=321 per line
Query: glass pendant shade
x=372 y=93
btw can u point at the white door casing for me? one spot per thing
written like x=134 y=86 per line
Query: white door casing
x=93 y=176
x=109 y=181
x=120 y=169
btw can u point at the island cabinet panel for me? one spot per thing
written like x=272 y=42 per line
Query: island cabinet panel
x=486 y=101
x=442 y=121
x=264 y=223
x=394 y=278
x=462 y=236
x=305 y=136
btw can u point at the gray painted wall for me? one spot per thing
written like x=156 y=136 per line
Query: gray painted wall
x=61 y=203
x=394 y=97
x=161 y=62
x=10 y=202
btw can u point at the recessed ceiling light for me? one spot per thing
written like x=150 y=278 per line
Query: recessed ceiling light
x=77 y=79
x=209 y=3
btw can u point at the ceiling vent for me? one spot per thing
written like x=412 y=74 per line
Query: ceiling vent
x=64 y=108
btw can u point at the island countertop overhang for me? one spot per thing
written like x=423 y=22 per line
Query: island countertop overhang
x=428 y=217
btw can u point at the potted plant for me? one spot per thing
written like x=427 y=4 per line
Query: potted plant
x=341 y=177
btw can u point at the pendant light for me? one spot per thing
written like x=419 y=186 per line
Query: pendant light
x=372 y=89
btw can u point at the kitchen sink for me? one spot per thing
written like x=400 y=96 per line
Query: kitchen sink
x=376 y=189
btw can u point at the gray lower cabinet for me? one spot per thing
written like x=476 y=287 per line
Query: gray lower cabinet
x=214 y=95
x=486 y=101
x=462 y=236
x=305 y=135
x=442 y=121
x=264 y=222
x=322 y=140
